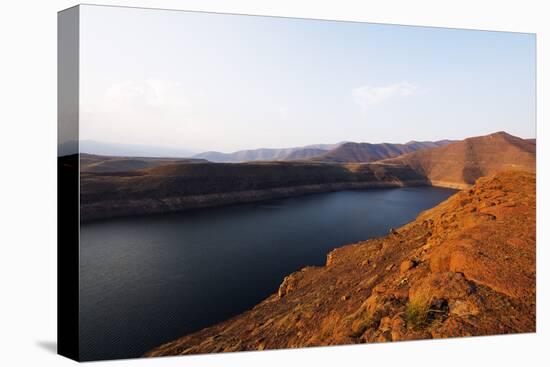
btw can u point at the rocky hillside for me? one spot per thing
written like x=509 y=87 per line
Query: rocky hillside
x=180 y=186
x=465 y=267
x=459 y=164
x=367 y=152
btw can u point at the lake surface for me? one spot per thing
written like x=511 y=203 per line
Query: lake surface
x=148 y=280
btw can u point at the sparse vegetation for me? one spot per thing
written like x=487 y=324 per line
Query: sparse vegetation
x=417 y=315
x=422 y=312
x=359 y=326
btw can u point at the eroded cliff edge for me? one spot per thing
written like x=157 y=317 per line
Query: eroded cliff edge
x=465 y=267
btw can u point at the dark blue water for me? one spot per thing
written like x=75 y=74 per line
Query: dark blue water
x=148 y=280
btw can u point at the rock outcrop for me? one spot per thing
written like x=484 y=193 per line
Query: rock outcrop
x=465 y=267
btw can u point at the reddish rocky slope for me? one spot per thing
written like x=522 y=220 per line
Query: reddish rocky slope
x=465 y=267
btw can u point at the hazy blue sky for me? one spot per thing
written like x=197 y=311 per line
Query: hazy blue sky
x=224 y=82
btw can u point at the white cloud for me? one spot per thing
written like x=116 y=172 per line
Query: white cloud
x=368 y=96
x=149 y=111
x=155 y=93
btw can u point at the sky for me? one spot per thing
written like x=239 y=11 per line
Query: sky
x=200 y=81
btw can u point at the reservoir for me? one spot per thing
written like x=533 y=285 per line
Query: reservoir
x=148 y=280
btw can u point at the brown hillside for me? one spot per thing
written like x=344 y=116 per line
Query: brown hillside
x=367 y=152
x=104 y=164
x=177 y=186
x=465 y=267
x=463 y=162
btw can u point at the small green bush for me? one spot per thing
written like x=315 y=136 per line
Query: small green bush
x=417 y=315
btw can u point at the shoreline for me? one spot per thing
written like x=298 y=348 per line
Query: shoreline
x=450 y=185
x=426 y=239
x=139 y=207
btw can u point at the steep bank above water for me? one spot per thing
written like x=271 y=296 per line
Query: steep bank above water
x=465 y=267
x=183 y=186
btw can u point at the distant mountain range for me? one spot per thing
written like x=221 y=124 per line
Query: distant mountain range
x=131 y=150
x=429 y=153
x=367 y=152
x=268 y=154
x=336 y=153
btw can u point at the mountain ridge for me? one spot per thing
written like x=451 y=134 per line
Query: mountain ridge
x=464 y=161
x=267 y=154
x=344 y=152
x=369 y=152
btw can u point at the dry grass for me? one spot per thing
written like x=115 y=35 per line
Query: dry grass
x=417 y=315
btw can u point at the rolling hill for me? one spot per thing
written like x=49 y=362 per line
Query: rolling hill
x=345 y=152
x=367 y=152
x=461 y=163
x=100 y=163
